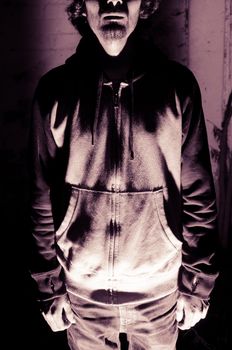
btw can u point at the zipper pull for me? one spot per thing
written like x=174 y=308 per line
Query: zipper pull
x=116 y=87
x=116 y=99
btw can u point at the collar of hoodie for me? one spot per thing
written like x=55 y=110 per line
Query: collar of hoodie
x=124 y=69
x=116 y=89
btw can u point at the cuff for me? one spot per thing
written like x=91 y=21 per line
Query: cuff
x=50 y=284
x=196 y=284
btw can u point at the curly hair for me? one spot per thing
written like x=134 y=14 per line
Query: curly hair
x=76 y=11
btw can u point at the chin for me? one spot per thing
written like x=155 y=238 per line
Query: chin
x=113 y=38
x=113 y=47
x=114 y=31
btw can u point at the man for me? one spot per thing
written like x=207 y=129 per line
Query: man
x=123 y=204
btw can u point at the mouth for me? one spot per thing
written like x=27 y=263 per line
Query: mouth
x=113 y=16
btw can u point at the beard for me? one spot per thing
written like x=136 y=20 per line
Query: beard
x=113 y=31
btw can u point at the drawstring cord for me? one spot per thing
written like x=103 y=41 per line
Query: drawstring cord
x=131 y=115
x=131 y=118
x=98 y=104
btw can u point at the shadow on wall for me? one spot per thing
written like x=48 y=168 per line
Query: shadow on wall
x=170 y=29
x=20 y=65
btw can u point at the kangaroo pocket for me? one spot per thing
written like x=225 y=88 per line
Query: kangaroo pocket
x=113 y=236
x=146 y=245
x=83 y=236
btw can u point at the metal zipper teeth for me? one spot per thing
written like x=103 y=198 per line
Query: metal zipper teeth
x=117 y=117
x=115 y=190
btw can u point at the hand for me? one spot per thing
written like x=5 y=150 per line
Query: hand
x=190 y=310
x=59 y=314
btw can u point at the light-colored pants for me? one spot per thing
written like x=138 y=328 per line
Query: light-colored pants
x=149 y=326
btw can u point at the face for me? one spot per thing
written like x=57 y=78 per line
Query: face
x=112 y=21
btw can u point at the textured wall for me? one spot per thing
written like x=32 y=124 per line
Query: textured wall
x=170 y=29
x=206 y=48
x=206 y=59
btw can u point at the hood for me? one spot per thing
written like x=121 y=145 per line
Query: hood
x=138 y=56
x=91 y=68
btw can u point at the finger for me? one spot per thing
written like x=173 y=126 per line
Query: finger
x=70 y=314
x=179 y=311
x=196 y=318
x=67 y=316
x=186 y=322
x=183 y=325
x=204 y=312
x=200 y=314
x=191 y=318
x=55 y=327
x=56 y=322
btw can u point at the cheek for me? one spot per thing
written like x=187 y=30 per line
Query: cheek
x=133 y=19
x=92 y=21
x=92 y=12
x=134 y=10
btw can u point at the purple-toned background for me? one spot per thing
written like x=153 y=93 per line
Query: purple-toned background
x=36 y=36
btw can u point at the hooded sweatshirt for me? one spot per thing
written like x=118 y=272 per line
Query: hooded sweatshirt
x=123 y=201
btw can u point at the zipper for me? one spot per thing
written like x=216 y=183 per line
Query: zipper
x=116 y=90
x=116 y=98
x=113 y=236
x=115 y=187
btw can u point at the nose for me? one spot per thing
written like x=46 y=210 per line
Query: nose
x=114 y=2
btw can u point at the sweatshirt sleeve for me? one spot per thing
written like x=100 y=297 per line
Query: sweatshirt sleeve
x=199 y=269
x=44 y=267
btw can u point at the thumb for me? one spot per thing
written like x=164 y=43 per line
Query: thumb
x=179 y=310
x=70 y=314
